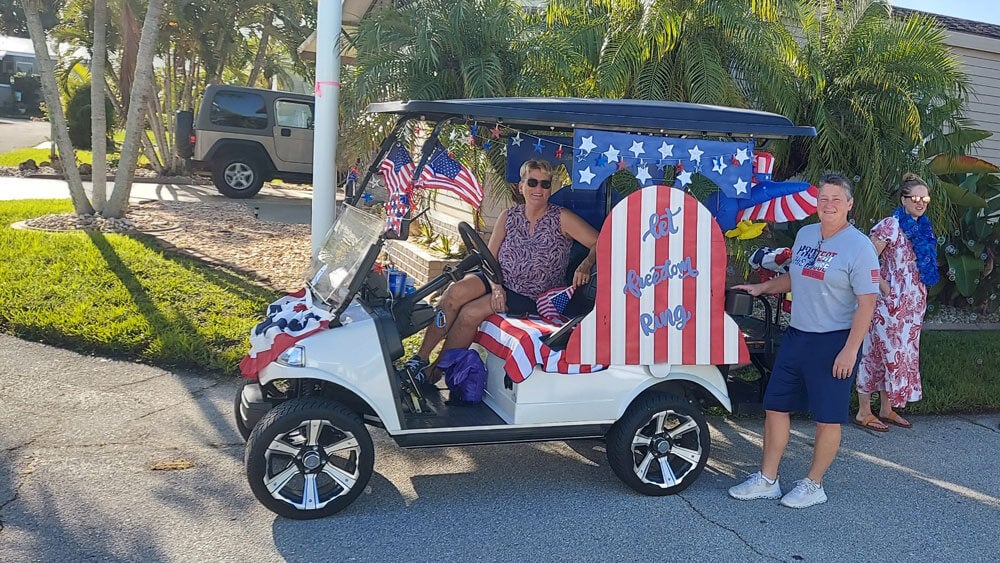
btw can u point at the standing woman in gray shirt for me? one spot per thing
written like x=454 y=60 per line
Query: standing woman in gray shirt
x=833 y=277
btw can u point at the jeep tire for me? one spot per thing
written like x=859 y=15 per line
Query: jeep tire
x=238 y=176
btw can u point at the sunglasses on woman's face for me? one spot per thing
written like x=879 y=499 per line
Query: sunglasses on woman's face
x=920 y=199
x=533 y=182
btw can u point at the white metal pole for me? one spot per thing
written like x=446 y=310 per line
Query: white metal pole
x=329 y=19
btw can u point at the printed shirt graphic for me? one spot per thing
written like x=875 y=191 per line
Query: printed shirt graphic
x=828 y=275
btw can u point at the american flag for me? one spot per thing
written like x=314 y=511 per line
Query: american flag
x=397 y=168
x=445 y=173
x=552 y=304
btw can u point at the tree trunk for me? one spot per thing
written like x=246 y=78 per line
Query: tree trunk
x=98 y=112
x=50 y=89
x=130 y=46
x=135 y=121
x=258 y=61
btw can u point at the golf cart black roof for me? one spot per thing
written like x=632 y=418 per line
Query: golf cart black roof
x=675 y=118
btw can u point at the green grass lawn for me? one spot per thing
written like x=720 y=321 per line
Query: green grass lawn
x=121 y=296
x=17 y=156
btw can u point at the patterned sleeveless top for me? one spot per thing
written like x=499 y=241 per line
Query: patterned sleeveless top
x=534 y=263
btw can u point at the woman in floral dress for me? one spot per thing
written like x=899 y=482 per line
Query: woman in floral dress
x=890 y=363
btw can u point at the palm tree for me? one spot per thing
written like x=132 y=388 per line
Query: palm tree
x=51 y=91
x=874 y=87
x=135 y=120
x=98 y=115
x=718 y=52
x=438 y=49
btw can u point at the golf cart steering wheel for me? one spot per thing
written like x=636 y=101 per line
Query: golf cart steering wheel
x=474 y=243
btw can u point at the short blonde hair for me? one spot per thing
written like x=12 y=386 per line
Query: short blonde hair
x=533 y=164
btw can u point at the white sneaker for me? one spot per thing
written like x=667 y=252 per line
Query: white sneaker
x=805 y=494
x=756 y=487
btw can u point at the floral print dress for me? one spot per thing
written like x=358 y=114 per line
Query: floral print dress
x=891 y=351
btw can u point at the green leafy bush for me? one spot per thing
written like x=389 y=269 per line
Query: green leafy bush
x=78 y=118
x=969 y=249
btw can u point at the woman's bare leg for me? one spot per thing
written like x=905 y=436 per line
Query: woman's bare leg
x=470 y=316
x=454 y=299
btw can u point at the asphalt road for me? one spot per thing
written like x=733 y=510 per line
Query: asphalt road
x=80 y=436
x=22 y=133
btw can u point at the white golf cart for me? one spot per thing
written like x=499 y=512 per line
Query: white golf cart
x=647 y=348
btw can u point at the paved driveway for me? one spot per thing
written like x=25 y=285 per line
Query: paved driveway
x=271 y=204
x=22 y=133
x=80 y=437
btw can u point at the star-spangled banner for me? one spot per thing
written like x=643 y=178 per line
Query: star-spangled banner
x=598 y=154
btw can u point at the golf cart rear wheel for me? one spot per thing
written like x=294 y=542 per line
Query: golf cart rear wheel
x=660 y=446
x=309 y=458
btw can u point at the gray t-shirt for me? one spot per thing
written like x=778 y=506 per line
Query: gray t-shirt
x=828 y=275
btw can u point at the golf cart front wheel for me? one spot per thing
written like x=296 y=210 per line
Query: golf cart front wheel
x=309 y=458
x=660 y=446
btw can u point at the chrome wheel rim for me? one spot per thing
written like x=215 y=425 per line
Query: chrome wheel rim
x=666 y=449
x=312 y=465
x=238 y=176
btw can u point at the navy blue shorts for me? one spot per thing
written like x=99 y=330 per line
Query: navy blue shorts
x=517 y=305
x=802 y=378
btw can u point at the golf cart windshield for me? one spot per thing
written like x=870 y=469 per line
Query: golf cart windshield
x=342 y=254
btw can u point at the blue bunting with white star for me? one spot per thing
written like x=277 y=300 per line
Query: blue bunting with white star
x=598 y=154
x=522 y=147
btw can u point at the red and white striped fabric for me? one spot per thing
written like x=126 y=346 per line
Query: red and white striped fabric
x=791 y=207
x=518 y=342
x=661 y=259
x=781 y=209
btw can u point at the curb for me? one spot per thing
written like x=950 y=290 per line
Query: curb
x=137 y=179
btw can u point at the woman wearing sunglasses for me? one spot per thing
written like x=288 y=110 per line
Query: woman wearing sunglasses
x=532 y=242
x=890 y=364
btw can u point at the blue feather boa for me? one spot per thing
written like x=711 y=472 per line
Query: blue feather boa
x=921 y=236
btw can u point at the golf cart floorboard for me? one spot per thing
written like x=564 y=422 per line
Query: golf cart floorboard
x=443 y=415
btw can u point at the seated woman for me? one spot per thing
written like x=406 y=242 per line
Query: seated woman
x=532 y=242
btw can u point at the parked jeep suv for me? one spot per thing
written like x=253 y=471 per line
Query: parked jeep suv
x=244 y=136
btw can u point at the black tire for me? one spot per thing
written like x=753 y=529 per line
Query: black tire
x=278 y=455
x=238 y=176
x=675 y=432
x=242 y=428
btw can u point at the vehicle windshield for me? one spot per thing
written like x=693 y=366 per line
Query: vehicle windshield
x=342 y=253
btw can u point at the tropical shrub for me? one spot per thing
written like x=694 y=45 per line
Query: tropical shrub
x=78 y=118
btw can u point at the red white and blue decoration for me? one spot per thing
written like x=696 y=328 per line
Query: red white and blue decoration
x=552 y=304
x=518 y=342
x=661 y=292
x=443 y=172
x=397 y=169
x=289 y=319
x=598 y=154
x=555 y=150
x=774 y=202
